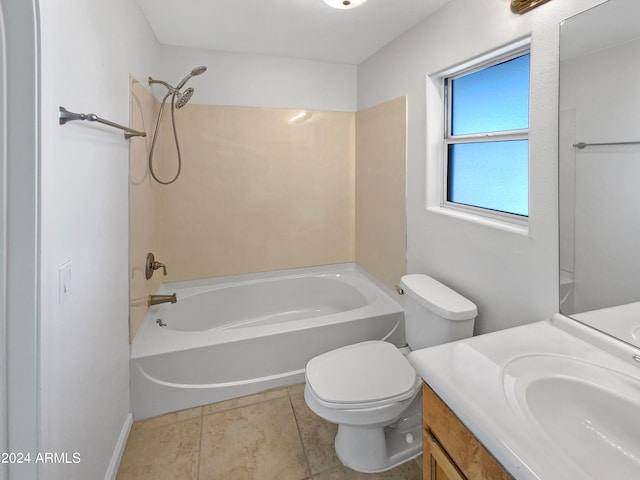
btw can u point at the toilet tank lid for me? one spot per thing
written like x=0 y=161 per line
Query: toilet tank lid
x=438 y=298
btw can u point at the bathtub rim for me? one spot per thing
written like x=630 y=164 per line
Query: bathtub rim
x=150 y=340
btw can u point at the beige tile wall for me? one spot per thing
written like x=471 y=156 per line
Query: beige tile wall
x=144 y=205
x=257 y=192
x=380 y=218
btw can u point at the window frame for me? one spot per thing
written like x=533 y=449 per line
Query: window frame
x=505 y=55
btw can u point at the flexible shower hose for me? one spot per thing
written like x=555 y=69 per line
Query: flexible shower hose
x=175 y=137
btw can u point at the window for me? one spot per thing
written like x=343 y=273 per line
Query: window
x=486 y=137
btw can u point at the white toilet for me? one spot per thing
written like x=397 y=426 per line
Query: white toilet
x=372 y=392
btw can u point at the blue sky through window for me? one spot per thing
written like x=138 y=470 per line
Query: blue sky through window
x=493 y=175
x=493 y=99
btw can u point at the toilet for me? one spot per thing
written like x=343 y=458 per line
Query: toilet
x=371 y=391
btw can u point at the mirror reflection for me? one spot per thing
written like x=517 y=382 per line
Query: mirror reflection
x=599 y=162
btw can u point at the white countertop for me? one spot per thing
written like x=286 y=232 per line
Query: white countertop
x=469 y=375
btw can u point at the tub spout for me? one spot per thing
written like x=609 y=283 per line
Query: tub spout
x=158 y=299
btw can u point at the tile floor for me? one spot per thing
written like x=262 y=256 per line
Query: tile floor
x=271 y=435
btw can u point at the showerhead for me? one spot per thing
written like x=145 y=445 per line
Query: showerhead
x=183 y=98
x=196 y=71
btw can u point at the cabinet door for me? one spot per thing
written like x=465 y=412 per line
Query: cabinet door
x=437 y=464
x=465 y=453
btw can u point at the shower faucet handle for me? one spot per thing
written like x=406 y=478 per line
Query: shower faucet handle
x=152 y=265
x=157 y=265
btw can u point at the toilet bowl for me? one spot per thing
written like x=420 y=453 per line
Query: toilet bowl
x=371 y=391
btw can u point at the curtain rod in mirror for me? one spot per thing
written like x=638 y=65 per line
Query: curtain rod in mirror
x=581 y=145
x=523 y=6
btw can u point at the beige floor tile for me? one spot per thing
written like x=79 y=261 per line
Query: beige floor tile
x=406 y=471
x=244 y=401
x=255 y=442
x=167 y=419
x=257 y=436
x=296 y=389
x=419 y=462
x=168 y=452
x=318 y=436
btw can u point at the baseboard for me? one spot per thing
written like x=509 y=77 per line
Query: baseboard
x=119 y=449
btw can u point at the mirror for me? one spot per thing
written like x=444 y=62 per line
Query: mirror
x=599 y=168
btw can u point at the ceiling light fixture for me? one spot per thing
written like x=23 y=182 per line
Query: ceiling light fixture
x=344 y=4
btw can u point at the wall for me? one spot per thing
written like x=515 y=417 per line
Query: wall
x=88 y=51
x=606 y=258
x=257 y=192
x=260 y=80
x=512 y=276
x=381 y=220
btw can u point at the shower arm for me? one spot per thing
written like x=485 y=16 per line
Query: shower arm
x=67 y=116
x=167 y=86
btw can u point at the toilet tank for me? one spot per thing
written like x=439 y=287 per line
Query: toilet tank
x=434 y=313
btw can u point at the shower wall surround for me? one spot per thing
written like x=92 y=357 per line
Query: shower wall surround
x=144 y=205
x=258 y=192
x=381 y=218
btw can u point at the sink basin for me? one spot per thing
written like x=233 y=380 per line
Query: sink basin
x=590 y=413
x=549 y=400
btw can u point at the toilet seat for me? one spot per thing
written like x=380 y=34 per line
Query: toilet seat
x=364 y=375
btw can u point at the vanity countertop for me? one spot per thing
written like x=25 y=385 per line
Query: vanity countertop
x=519 y=392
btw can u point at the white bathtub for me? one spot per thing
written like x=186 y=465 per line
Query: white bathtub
x=237 y=335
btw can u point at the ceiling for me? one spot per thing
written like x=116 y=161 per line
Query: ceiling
x=308 y=29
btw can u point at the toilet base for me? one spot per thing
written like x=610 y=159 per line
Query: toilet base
x=377 y=449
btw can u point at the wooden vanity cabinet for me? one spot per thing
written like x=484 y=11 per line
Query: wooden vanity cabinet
x=451 y=452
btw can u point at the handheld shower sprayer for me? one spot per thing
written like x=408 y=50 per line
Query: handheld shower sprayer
x=178 y=100
x=196 y=71
x=176 y=90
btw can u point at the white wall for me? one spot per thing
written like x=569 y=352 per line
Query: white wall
x=512 y=277
x=259 y=80
x=88 y=50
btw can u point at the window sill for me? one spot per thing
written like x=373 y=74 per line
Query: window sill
x=519 y=228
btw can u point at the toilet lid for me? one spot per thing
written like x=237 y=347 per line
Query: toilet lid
x=361 y=374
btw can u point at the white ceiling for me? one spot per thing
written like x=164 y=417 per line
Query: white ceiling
x=308 y=29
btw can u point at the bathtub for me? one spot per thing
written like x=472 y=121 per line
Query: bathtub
x=233 y=336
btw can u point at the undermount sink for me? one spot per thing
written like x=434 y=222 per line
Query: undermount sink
x=589 y=412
